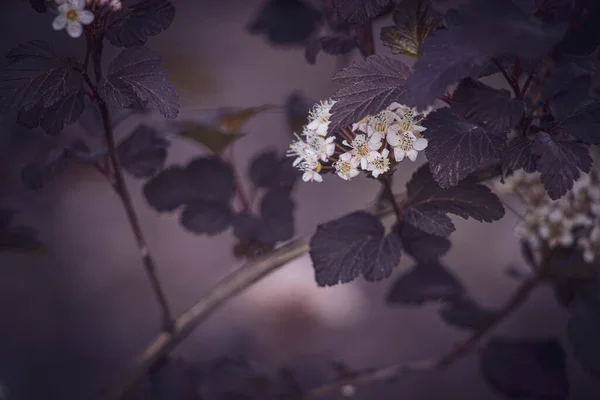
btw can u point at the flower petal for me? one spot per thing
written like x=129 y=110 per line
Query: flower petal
x=420 y=144
x=74 y=29
x=77 y=4
x=64 y=8
x=86 y=17
x=59 y=22
x=393 y=139
x=398 y=154
x=412 y=154
x=364 y=163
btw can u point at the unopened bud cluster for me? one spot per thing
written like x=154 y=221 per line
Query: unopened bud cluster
x=74 y=14
x=571 y=221
x=372 y=145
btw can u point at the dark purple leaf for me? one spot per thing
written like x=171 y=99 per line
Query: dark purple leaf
x=368 y=88
x=246 y=227
x=428 y=201
x=48 y=165
x=571 y=98
x=38 y=5
x=144 y=152
x=582 y=333
x=286 y=22
x=525 y=369
x=465 y=313
x=353 y=245
x=132 y=26
x=493 y=109
x=584 y=124
x=297 y=107
x=204 y=179
x=457 y=147
x=276 y=217
x=518 y=155
x=425 y=282
x=357 y=12
x=560 y=163
x=36 y=76
x=54 y=118
x=333 y=45
x=414 y=21
x=264 y=169
x=137 y=80
x=420 y=245
x=206 y=218
x=18 y=239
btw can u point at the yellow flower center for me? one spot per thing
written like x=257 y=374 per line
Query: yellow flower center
x=72 y=15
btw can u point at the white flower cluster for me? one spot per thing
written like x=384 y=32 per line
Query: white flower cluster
x=73 y=14
x=367 y=147
x=572 y=220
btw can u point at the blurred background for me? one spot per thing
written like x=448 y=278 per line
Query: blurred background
x=73 y=319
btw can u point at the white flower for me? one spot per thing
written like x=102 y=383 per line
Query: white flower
x=323 y=147
x=319 y=117
x=115 y=5
x=363 y=151
x=381 y=163
x=378 y=126
x=346 y=169
x=302 y=151
x=72 y=16
x=311 y=172
x=406 y=144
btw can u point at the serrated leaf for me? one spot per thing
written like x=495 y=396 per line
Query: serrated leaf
x=144 y=152
x=492 y=109
x=264 y=169
x=358 y=12
x=519 y=155
x=49 y=164
x=214 y=140
x=132 y=26
x=427 y=200
x=414 y=21
x=206 y=218
x=286 y=22
x=424 y=283
x=582 y=333
x=525 y=369
x=276 y=217
x=422 y=246
x=54 y=118
x=203 y=179
x=333 y=45
x=246 y=226
x=465 y=313
x=368 y=88
x=137 y=80
x=35 y=76
x=560 y=163
x=356 y=244
x=583 y=124
x=458 y=147
x=573 y=96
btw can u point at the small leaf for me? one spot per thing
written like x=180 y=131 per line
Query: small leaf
x=584 y=124
x=277 y=217
x=286 y=22
x=333 y=45
x=355 y=244
x=492 y=109
x=144 y=152
x=582 y=333
x=560 y=163
x=246 y=226
x=34 y=49
x=358 y=12
x=168 y=190
x=465 y=313
x=232 y=122
x=206 y=218
x=571 y=97
x=136 y=80
x=49 y=164
x=429 y=202
x=132 y=26
x=54 y=118
x=368 y=88
x=425 y=282
x=212 y=139
x=519 y=155
x=414 y=21
x=457 y=147
x=525 y=369
x=264 y=169
x=422 y=246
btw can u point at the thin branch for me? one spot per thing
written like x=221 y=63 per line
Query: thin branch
x=527 y=83
x=514 y=85
x=387 y=185
x=397 y=371
x=121 y=188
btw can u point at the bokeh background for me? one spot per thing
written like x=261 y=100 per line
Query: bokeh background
x=72 y=320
